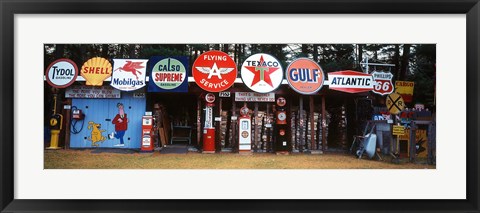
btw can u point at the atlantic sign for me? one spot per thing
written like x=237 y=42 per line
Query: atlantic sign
x=128 y=74
x=61 y=73
x=350 y=81
x=214 y=71
x=262 y=73
x=305 y=76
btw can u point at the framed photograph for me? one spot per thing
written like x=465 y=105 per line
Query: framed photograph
x=117 y=56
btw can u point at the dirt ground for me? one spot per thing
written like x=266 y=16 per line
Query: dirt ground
x=87 y=159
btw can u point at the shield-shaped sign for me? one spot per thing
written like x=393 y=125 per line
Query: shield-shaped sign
x=128 y=74
x=383 y=82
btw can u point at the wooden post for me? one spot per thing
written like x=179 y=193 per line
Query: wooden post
x=267 y=130
x=66 y=115
x=312 y=124
x=199 y=121
x=218 y=128
x=324 y=125
x=301 y=126
x=233 y=143
x=413 y=142
x=255 y=114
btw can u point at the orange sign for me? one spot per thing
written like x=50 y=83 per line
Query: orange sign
x=96 y=70
x=305 y=76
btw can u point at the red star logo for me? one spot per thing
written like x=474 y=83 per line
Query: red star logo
x=262 y=73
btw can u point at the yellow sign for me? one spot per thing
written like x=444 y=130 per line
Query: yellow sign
x=96 y=70
x=398 y=130
x=395 y=103
x=405 y=88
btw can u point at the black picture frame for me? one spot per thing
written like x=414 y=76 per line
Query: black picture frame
x=9 y=8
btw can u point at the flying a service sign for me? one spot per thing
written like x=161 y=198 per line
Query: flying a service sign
x=128 y=74
x=61 y=73
x=214 y=71
x=262 y=73
x=350 y=81
x=305 y=76
x=168 y=74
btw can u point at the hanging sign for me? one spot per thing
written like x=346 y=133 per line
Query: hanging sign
x=214 y=71
x=305 y=76
x=168 y=74
x=254 y=97
x=224 y=94
x=95 y=71
x=350 y=81
x=395 y=103
x=262 y=73
x=210 y=98
x=383 y=82
x=398 y=130
x=61 y=73
x=128 y=74
x=405 y=89
x=92 y=92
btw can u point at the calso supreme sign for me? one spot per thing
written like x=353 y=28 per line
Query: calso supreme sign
x=214 y=71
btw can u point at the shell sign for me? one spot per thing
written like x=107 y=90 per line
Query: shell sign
x=96 y=70
x=305 y=76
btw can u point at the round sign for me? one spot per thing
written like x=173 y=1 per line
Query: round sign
x=244 y=111
x=61 y=73
x=169 y=73
x=210 y=98
x=244 y=134
x=96 y=70
x=281 y=116
x=262 y=73
x=395 y=103
x=214 y=71
x=305 y=76
x=281 y=101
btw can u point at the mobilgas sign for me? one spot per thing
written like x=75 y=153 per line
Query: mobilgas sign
x=61 y=73
x=262 y=73
x=168 y=74
x=128 y=74
x=305 y=76
x=350 y=81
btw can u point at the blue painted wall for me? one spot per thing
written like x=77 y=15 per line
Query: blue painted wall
x=102 y=111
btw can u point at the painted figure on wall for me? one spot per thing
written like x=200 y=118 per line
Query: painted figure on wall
x=121 y=125
x=96 y=133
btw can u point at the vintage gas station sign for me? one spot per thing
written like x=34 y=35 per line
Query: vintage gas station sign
x=128 y=74
x=262 y=73
x=350 y=81
x=305 y=76
x=61 y=73
x=96 y=70
x=92 y=92
x=383 y=82
x=214 y=71
x=168 y=74
x=395 y=103
x=405 y=89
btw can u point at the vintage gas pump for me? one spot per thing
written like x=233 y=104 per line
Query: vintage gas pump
x=208 y=128
x=244 y=131
x=281 y=140
x=147 y=126
x=56 y=121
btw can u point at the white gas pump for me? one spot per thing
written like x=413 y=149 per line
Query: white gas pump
x=245 y=131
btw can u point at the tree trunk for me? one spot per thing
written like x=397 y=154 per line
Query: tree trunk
x=59 y=51
x=396 y=61
x=405 y=59
x=105 y=50
x=315 y=52
x=360 y=54
x=225 y=48
x=131 y=50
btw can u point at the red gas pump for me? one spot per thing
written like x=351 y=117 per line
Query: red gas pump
x=208 y=128
x=147 y=126
x=244 y=131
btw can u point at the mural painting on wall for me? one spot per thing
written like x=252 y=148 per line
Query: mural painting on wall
x=121 y=125
x=96 y=133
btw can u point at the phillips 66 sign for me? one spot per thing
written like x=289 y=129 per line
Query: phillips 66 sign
x=383 y=83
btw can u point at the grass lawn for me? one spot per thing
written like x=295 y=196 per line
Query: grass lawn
x=85 y=159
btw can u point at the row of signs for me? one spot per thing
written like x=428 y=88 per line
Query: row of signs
x=215 y=71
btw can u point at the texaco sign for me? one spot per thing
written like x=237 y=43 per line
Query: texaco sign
x=262 y=73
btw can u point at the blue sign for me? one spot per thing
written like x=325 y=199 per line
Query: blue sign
x=168 y=74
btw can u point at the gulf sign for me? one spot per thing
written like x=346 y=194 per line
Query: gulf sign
x=262 y=73
x=61 y=73
x=350 y=81
x=305 y=76
x=214 y=71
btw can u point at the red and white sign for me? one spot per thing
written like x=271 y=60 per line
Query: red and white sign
x=210 y=98
x=214 y=71
x=61 y=73
x=350 y=81
x=383 y=82
x=262 y=73
x=305 y=76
